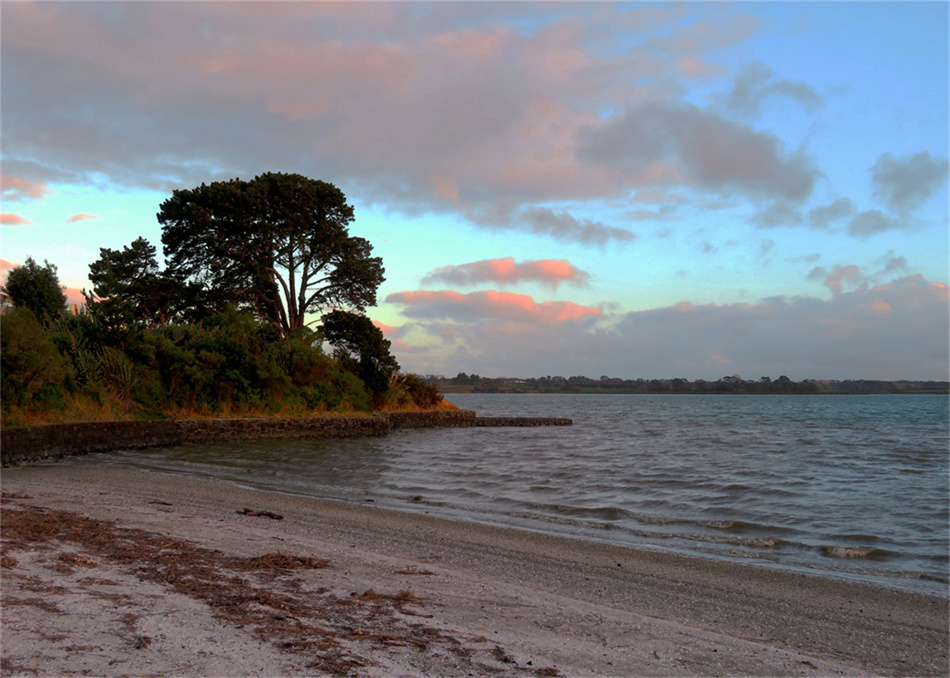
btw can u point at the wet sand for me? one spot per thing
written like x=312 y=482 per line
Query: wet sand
x=186 y=578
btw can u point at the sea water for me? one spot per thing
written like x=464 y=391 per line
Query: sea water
x=842 y=486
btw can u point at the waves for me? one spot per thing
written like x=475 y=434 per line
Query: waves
x=854 y=485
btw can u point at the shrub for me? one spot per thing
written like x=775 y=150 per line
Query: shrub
x=423 y=394
x=29 y=362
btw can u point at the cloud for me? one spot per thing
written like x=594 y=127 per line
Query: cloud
x=696 y=147
x=905 y=184
x=754 y=85
x=691 y=67
x=557 y=224
x=890 y=263
x=18 y=188
x=387 y=330
x=441 y=109
x=824 y=215
x=11 y=219
x=834 y=280
x=505 y=271
x=890 y=331
x=80 y=217
x=492 y=304
x=563 y=226
x=663 y=213
x=871 y=222
x=777 y=214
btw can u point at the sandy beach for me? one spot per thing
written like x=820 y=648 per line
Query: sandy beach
x=119 y=572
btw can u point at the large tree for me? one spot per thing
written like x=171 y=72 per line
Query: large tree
x=37 y=288
x=278 y=245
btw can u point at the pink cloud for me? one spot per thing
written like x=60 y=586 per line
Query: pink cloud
x=505 y=271
x=17 y=188
x=491 y=304
x=80 y=217
x=74 y=296
x=413 y=111
x=387 y=330
x=892 y=331
x=11 y=219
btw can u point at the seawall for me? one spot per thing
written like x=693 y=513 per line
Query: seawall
x=36 y=443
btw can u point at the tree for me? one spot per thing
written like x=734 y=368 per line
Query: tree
x=128 y=287
x=37 y=288
x=278 y=245
x=361 y=348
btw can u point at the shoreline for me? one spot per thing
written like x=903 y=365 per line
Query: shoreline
x=549 y=602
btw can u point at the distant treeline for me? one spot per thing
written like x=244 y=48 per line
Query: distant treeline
x=465 y=383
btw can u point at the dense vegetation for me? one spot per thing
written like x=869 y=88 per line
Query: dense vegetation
x=473 y=383
x=223 y=329
x=228 y=364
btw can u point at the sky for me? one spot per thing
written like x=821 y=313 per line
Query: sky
x=651 y=190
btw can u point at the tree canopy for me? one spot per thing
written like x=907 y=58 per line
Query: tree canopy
x=278 y=245
x=37 y=288
x=128 y=287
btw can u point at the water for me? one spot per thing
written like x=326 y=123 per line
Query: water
x=844 y=486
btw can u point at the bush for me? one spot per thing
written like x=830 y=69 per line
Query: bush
x=228 y=363
x=423 y=394
x=29 y=362
x=350 y=391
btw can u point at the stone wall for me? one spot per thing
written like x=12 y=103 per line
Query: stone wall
x=35 y=443
x=520 y=421
x=228 y=430
x=440 y=419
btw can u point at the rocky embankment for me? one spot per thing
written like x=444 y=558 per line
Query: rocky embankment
x=35 y=443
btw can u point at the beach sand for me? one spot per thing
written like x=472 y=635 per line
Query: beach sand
x=131 y=573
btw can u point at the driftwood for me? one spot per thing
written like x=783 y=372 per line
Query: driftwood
x=266 y=514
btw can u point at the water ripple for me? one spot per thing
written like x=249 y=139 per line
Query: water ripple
x=849 y=484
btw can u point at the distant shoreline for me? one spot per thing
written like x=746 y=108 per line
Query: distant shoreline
x=729 y=385
x=723 y=393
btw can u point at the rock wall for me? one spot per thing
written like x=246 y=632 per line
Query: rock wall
x=440 y=419
x=227 y=430
x=35 y=443
x=520 y=421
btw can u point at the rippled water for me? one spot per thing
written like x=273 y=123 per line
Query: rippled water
x=851 y=486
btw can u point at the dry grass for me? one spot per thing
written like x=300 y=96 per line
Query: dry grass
x=262 y=594
x=77 y=408
x=81 y=409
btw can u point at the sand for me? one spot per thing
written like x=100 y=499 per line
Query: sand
x=134 y=573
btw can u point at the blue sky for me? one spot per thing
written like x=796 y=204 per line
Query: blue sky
x=637 y=190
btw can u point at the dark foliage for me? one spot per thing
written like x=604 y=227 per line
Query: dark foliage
x=361 y=348
x=31 y=369
x=37 y=288
x=277 y=245
x=128 y=288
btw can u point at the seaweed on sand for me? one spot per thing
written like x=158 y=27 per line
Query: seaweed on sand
x=261 y=594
